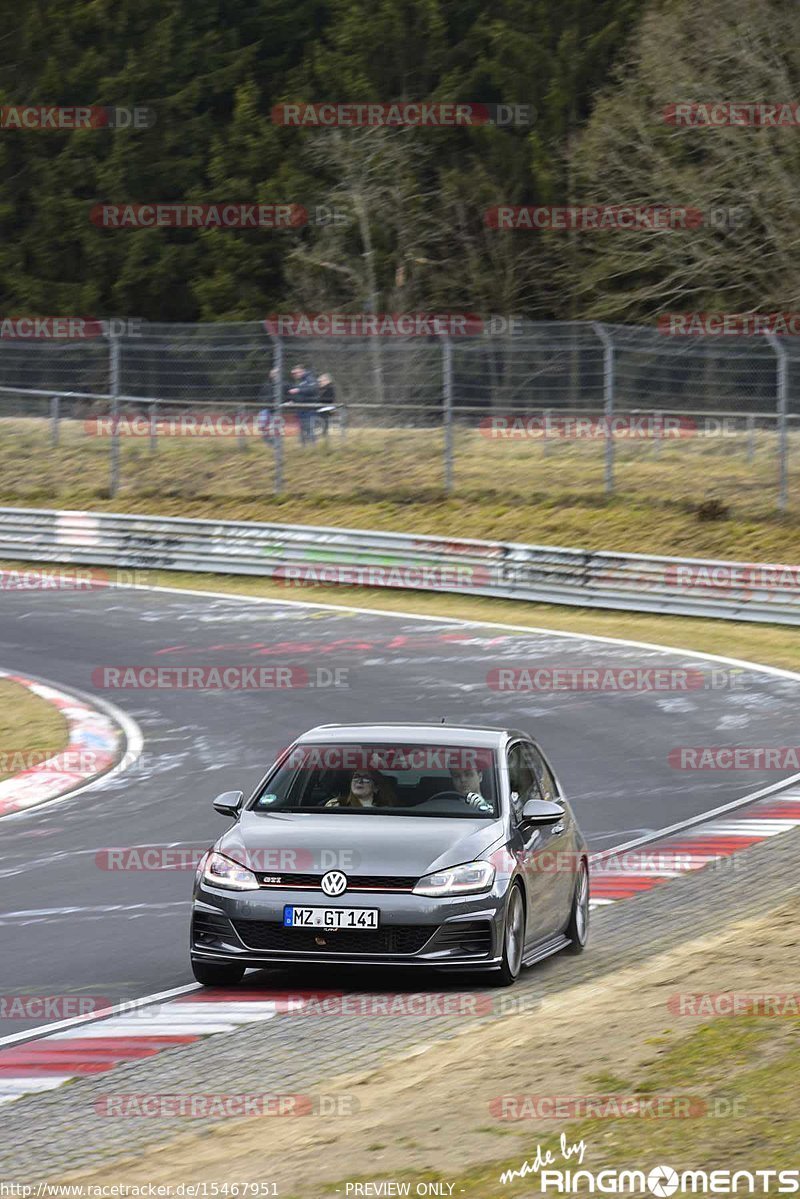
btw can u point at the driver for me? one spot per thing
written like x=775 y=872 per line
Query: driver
x=368 y=789
x=467 y=782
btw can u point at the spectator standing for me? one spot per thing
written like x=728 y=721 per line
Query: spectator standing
x=327 y=399
x=304 y=394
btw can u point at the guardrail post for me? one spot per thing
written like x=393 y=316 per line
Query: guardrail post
x=54 y=413
x=114 y=388
x=609 y=382
x=783 y=427
x=277 y=418
x=447 y=384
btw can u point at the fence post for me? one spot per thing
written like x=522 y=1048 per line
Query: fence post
x=608 y=400
x=782 y=413
x=239 y=419
x=114 y=388
x=447 y=384
x=548 y=413
x=751 y=439
x=54 y=413
x=277 y=418
x=153 y=429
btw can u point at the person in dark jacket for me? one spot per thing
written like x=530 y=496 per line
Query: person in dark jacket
x=327 y=399
x=304 y=394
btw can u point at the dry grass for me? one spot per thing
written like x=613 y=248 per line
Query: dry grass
x=28 y=726
x=428 y=1115
x=392 y=479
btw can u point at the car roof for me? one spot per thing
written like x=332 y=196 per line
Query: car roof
x=440 y=734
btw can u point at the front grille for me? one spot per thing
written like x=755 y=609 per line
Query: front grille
x=473 y=937
x=394 y=938
x=362 y=882
x=208 y=928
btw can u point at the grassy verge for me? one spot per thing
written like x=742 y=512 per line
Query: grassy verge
x=702 y=498
x=723 y=1092
x=742 y=1073
x=29 y=725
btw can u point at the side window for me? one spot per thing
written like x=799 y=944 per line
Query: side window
x=521 y=776
x=544 y=776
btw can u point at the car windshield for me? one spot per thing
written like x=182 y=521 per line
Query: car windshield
x=389 y=779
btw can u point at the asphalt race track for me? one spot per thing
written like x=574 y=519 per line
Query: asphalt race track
x=67 y=925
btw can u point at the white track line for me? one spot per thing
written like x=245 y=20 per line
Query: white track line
x=775 y=671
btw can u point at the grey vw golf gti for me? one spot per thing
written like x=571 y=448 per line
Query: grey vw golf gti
x=394 y=844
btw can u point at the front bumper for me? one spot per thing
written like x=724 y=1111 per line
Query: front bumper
x=247 y=927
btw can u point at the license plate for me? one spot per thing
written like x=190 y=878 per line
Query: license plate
x=354 y=918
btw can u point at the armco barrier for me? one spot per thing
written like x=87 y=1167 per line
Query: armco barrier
x=301 y=555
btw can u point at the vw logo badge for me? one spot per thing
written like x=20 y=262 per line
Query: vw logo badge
x=334 y=883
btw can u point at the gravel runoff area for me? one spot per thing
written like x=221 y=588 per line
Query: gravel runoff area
x=50 y=1134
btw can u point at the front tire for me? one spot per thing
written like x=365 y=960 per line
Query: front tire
x=578 y=927
x=513 y=940
x=217 y=974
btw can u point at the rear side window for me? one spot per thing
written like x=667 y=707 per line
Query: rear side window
x=543 y=773
x=521 y=775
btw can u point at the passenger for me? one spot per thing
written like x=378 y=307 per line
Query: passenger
x=368 y=789
x=467 y=782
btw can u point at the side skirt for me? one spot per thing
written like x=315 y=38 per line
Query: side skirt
x=545 y=949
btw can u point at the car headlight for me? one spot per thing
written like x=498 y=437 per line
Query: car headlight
x=224 y=872
x=458 y=880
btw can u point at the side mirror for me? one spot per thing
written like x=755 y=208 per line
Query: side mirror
x=541 y=812
x=229 y=803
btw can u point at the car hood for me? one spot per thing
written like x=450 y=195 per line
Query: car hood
x=304 y=843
